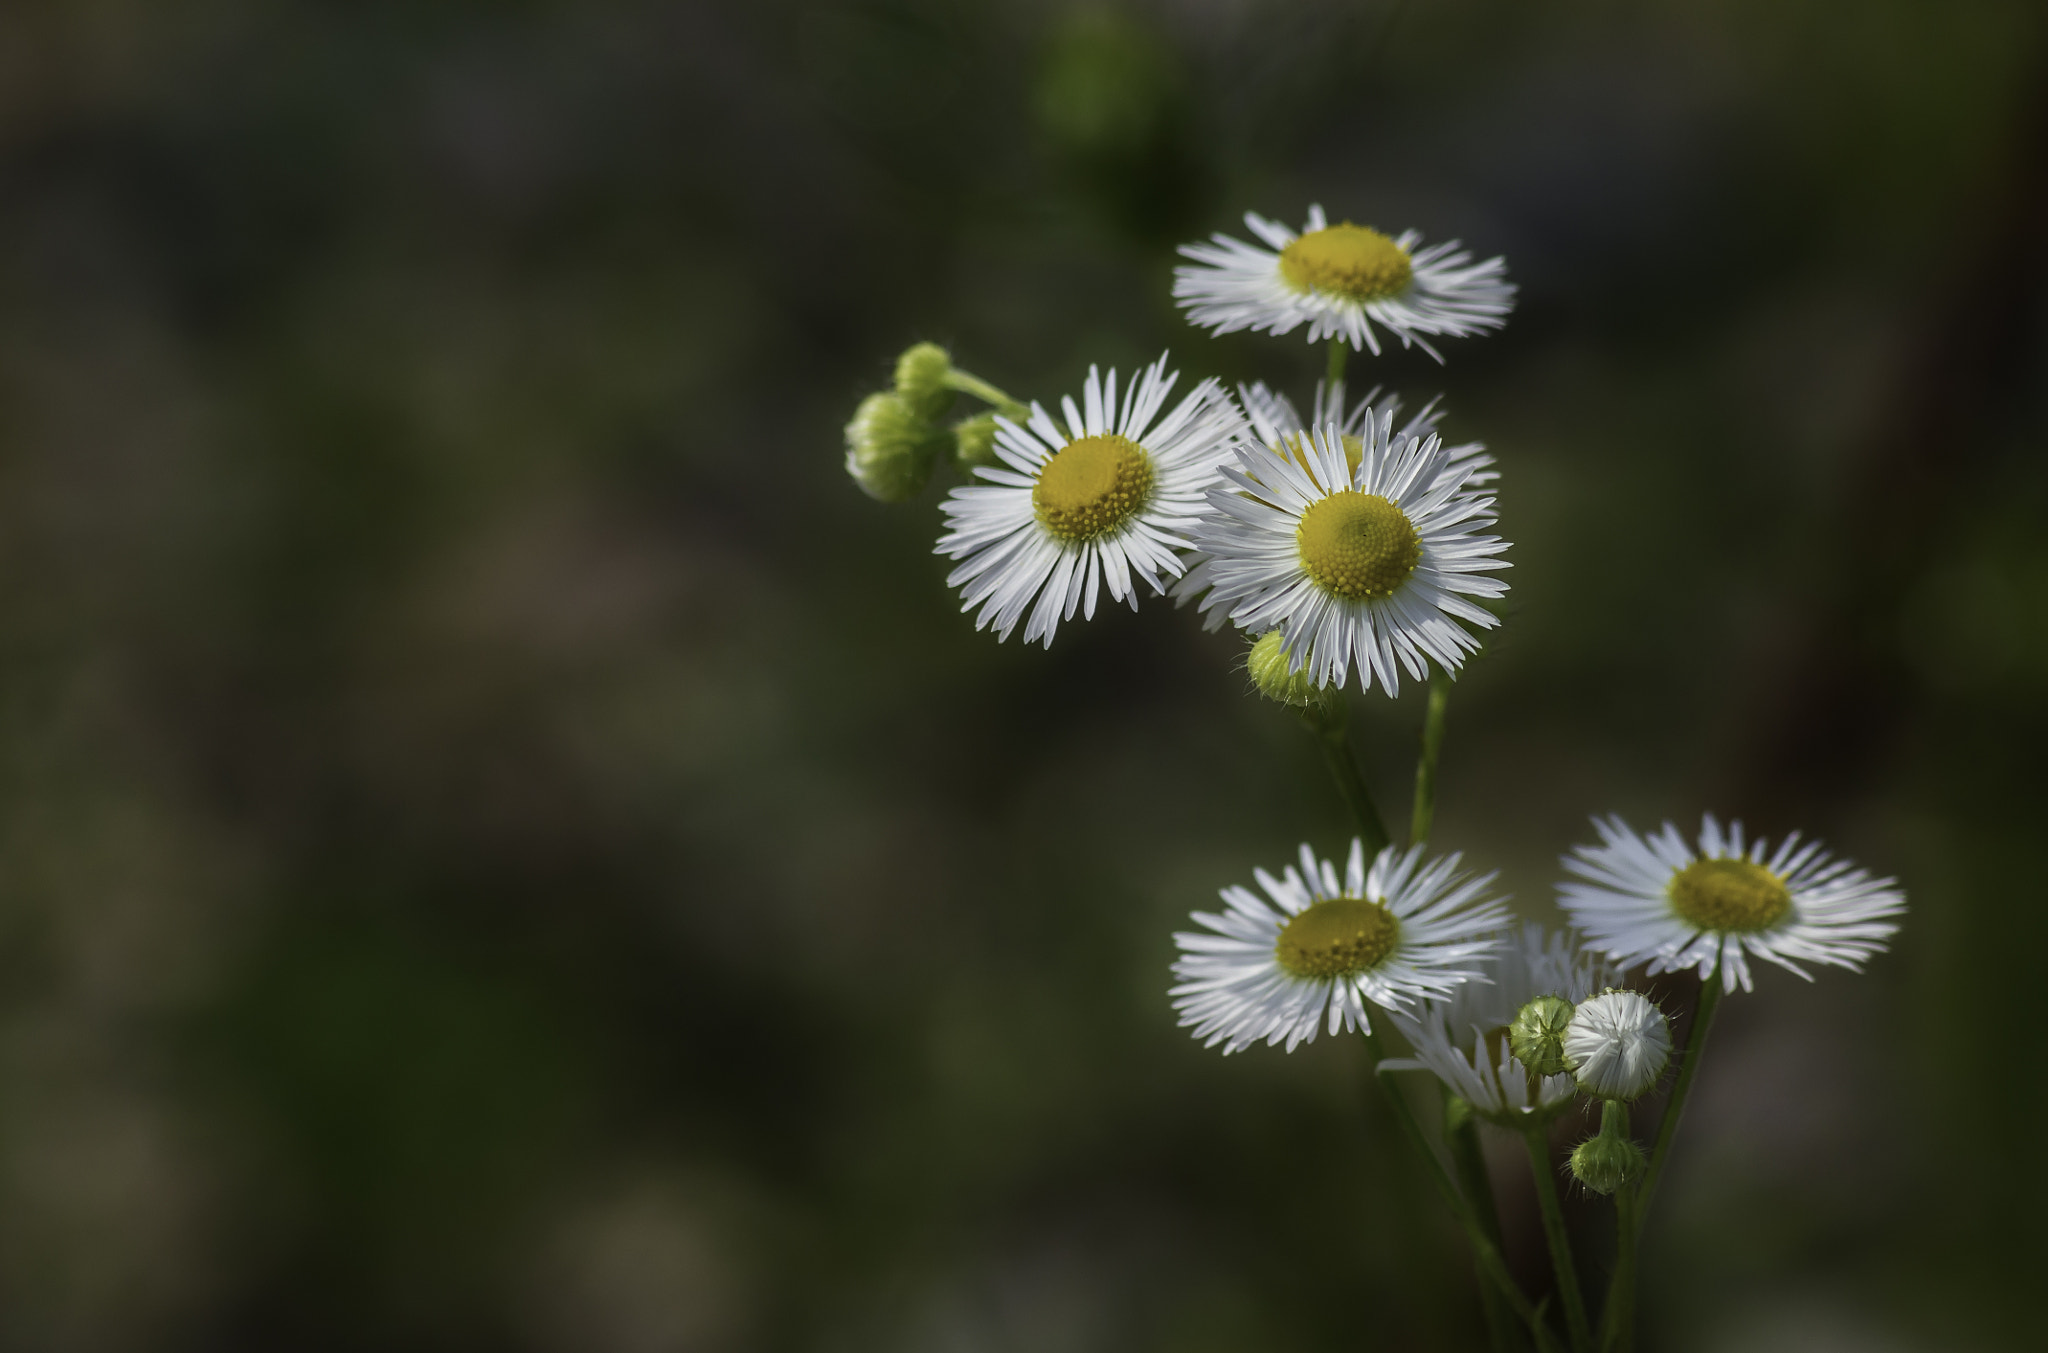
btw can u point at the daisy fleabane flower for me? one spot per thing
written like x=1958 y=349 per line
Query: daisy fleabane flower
x=1659 y=901
x=1101 y=501
x=1463 y=1038
x=1340 y=280
x=1320 y=948
x=1372 y=561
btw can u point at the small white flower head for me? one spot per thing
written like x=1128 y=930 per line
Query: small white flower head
x=1320 y=947
x=1340 y=280
x=1618 y=1044
x=1099 y=502
x=1463 y=1038
x=1372 y=560
x=1658 y=901
x=1276 y=422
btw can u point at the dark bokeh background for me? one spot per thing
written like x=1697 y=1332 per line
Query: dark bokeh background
x=501 y=846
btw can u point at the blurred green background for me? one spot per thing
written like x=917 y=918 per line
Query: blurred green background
x=502 y=846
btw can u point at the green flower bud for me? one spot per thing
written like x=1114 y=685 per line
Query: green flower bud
x=1267 y=663
x=921 y=379
x=1606 y=1162
x=1457 y=1112
x=974 y=441
x=889 y=449
x=1536 y=1036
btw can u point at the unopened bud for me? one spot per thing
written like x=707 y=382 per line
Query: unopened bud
x=1268 y=663
x=921 y=379
x=1618 y=1044
x=974 y=441
x=1457 y=1113
x=1606 y=1162
x=889 y=449
x=1536 y=1036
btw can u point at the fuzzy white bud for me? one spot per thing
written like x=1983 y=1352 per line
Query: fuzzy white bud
x=1618 y=1044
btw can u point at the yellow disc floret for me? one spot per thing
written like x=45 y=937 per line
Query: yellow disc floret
x=1729 y=895
x=1347 y=260
x=1092 y=486
x=1357 y=545
x=1339 y=937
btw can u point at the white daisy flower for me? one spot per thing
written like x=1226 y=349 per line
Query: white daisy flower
x=1276 y=422
x=1372 y=562
x=1463 y=1037
x=1101 y=501
x=1339 y=280
x=1657 y=900
x=1323 y=948
x=1618 y=1044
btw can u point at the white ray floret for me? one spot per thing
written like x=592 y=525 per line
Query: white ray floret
x=1275 y=421
x=1618 y=1044
x=1319 y=948
x=1372 y=563
x=1340 y=281
x=1658 y=900
x=1462 y=1038
x=1099 y=501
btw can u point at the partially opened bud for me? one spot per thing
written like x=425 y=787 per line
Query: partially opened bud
x=1268 y=663
x=889 y=449
x=1618 y=1044
x=921 y=379
x=1536 y=1036
x=974 y=441
x=1606 y=1162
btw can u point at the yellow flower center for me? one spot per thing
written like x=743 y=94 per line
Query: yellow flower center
x=1729 y=895
x=1092 y=486
x=1357 y=545
x=1347 y=260
x=1337 y=938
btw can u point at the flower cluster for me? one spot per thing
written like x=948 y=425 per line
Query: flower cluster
x=1359 y=537
x=1359 y=541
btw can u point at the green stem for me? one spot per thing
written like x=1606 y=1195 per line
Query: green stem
x=1424 y=816
x=1618 y=1321
x=1483 y=1249
x=1333 y=736
x=1695 y=1044
x=1461 y=1136
x=1632 y=1204
x=970 y=384
x=1339 y=350
x=1537 y=1136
